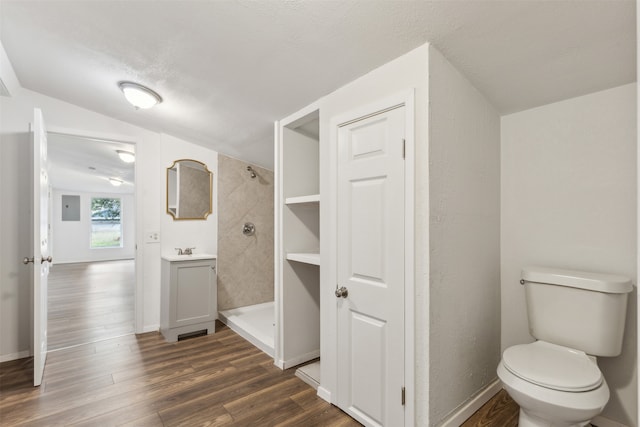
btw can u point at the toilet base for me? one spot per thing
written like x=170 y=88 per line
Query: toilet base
x=527 y=420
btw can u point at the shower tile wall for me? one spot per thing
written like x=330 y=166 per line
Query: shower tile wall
x=245 y=263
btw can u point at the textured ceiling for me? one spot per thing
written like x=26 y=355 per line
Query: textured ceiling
x=228 y=69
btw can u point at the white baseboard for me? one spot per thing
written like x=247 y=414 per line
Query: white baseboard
x=150 y=328
x=601 y=421
x=14 y=356
x=301 y=359
x=279 y=363
x=464 y=412
x=324 y=394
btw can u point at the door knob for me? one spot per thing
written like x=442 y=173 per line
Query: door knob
x=27 y=260
x=342 y=292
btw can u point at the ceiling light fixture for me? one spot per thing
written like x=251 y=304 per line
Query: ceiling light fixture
x=126 y=156
x=115 y=182
x=139 y=96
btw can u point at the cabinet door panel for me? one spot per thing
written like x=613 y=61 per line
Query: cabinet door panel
x=192 y=293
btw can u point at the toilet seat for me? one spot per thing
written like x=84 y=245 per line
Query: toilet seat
x=553 y=366
x=564 y=408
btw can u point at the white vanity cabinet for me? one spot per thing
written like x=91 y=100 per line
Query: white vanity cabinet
x=189 y=302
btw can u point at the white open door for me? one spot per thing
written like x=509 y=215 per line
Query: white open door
x=41 y=259
x=370 y=266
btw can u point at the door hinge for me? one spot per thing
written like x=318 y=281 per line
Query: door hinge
x=403 y=396
x=404 y=148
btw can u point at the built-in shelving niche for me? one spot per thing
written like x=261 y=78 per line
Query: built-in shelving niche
x=300 y=241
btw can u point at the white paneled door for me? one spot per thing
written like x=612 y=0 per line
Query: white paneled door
x=370 y=263
x=41 y=259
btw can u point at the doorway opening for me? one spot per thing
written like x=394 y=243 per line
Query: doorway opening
x=92 y=280
x=90 y=302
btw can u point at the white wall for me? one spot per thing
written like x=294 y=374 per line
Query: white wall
x=569 y=200
x=201 y=234
x=464 y=231
x=17 y=113
x=71 y=239
x=456 y=288
x=15 y=236
x=7 y=75
x=409 y=72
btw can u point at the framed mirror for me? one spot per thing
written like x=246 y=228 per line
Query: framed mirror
x=189 y=188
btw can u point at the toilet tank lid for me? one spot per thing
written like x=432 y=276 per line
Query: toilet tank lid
x=598 y=282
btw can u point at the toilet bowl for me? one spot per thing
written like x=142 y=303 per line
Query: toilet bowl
x=554 y=385
x=575 y=316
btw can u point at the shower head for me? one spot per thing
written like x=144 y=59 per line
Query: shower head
x=253 y=173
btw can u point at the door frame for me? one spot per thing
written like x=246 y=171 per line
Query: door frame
x=138 y=304
x=407 y=99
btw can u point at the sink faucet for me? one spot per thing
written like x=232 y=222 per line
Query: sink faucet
x=185 y=251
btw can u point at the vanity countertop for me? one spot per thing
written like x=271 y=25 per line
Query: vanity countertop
x=193 y=257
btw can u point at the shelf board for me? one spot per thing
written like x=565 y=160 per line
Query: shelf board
x=313 y=198
x=307 y=258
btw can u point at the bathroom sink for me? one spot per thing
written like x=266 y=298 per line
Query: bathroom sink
x=193 y=257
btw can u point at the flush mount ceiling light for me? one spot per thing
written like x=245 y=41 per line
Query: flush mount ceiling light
x=139 y=96
x=126 y=156
x=115 y=182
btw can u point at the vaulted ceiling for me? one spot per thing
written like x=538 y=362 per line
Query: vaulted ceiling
x=227 y=69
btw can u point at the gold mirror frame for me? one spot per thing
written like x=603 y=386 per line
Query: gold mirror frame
x=189 y=175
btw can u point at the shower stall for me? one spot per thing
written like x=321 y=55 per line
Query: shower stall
x=245 y=251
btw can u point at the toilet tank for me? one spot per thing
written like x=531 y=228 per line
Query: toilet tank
x=576 y=309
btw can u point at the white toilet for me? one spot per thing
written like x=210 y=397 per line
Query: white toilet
x=574 y=316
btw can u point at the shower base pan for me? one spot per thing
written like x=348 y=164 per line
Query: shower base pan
x=255 y=323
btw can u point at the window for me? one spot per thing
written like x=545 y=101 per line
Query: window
x=106 y=223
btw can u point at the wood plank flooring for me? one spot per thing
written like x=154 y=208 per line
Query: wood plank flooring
x=216 y=380
x=500 y=411
x=89 y=302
